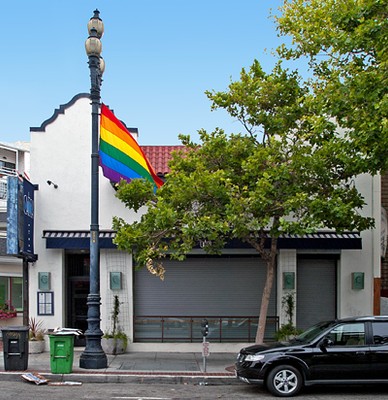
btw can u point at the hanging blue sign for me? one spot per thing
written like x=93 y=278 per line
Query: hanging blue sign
x=28 y=218
x=20 y=218
x=13 y=190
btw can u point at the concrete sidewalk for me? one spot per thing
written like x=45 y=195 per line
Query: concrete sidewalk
x=139 y=367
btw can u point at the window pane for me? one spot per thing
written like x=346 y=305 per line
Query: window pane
x=17 y=293
x=380 y=332
x=348 y=334
x=3 y=289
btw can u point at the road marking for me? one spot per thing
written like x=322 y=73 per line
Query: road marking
x=143 y=398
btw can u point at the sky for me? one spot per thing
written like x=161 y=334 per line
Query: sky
x=160 y=56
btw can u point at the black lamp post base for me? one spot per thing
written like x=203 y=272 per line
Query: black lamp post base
x=93 y=360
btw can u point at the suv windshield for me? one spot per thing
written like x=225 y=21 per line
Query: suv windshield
x=311 y=333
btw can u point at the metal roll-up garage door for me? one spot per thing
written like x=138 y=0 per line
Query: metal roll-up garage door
x=316 y=291
x=201 y=286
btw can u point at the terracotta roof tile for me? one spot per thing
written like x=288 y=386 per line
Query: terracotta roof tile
x=159 y=156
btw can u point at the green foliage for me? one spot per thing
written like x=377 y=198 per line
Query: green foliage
x=119 y=335
x=36 y=332
x=116 y=333
x=293 y=181
x=288 y=304
x=115 y=313
x=137 y=194
x=346 y=43
x=287 y=332
x=271 y=102
x=291 y=174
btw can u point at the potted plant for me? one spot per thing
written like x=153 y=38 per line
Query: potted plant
x=7 y=311
x=288 y=330
x=36 y=334
x=115 y=341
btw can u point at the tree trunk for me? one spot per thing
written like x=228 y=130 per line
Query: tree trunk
x=271 y=265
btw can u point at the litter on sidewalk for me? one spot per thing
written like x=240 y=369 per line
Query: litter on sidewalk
x=35 y=378
x=39 y=380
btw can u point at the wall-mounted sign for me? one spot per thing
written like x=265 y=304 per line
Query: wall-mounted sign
x=115 y=280
x=45 y=303
x=20 y=218
x=289 y=280
x=44 y=280
x=357 y=280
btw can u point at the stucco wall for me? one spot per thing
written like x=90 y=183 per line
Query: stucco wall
x=360 y=302
x=61 y=153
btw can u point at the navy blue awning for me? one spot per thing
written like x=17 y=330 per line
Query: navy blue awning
x=324 y=240
x=77 y=239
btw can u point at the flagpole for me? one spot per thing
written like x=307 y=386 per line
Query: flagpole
x=93 y=356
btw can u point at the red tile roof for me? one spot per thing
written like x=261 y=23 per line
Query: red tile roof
x=159 y=157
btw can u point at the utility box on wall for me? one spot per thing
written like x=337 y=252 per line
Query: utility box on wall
x=357 y=280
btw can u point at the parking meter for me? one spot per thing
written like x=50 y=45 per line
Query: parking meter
x=204 y=327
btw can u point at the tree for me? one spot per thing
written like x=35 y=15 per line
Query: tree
x=285 y=176
x=346 y=43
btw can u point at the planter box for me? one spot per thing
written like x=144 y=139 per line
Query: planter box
x=113 y=346
x=36 y=346
x=8 y=314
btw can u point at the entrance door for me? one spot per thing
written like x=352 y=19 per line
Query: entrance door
x=79 y=289
x=77 y=272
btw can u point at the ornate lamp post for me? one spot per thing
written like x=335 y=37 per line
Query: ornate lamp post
x=93 y=356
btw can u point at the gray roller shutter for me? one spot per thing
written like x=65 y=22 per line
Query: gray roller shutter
x=204 y=286
x=316 y=291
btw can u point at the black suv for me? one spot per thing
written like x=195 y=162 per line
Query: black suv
x=351 y=350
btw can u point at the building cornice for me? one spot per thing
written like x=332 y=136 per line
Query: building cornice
x=61 y=110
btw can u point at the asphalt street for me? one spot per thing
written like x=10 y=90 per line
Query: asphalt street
x=159 y=391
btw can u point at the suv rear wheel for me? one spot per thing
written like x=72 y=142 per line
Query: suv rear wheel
x=284 y=381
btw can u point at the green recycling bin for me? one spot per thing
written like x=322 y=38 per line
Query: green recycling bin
x=61 y=353
x=15 y=347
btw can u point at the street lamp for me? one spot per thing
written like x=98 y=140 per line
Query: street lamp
x=93 y=356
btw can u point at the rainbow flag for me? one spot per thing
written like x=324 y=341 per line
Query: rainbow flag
x=120 y=155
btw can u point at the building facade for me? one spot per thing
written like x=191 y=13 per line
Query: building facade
x=330 y=275
x=14 y=162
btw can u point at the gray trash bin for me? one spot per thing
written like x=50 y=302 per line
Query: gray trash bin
x=15 y=347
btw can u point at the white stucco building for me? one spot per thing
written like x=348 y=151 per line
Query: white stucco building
x=321 y=269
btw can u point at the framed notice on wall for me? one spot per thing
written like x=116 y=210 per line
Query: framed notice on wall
x=45 y=303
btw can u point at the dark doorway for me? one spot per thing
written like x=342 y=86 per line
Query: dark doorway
x=77 y=272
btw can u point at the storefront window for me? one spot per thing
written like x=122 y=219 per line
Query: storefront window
x=11 y=291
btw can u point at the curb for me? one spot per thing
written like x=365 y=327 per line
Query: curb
x=187 y=378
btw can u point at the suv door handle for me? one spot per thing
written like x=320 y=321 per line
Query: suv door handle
x=360 y=353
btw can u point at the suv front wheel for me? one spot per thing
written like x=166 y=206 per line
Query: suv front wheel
x=284 y=381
